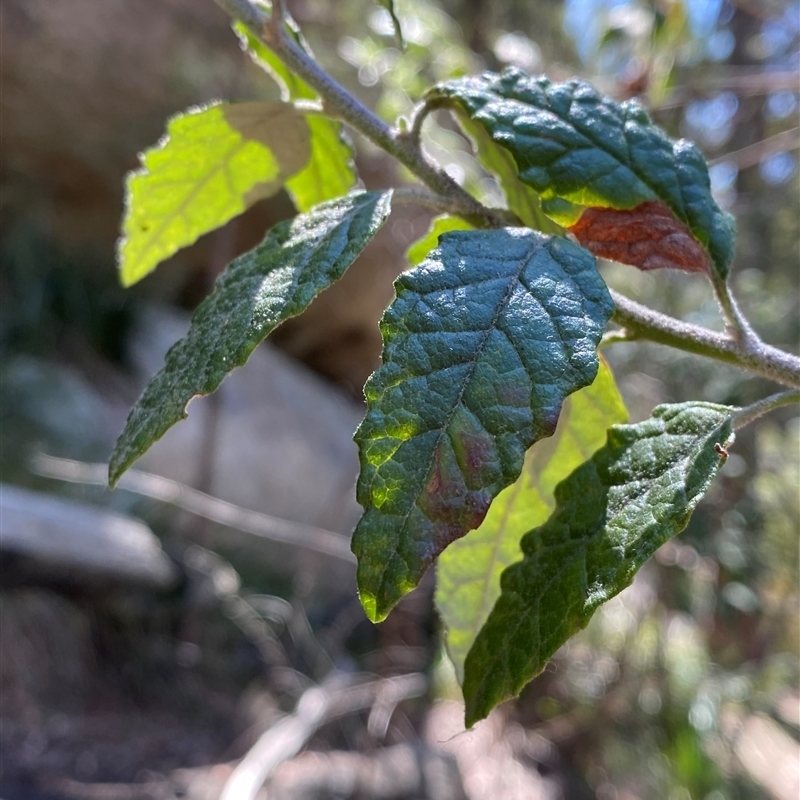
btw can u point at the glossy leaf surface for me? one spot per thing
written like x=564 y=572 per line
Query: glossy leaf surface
x=582 y=151
x=259 y=290
x=212 y=165
x=520 y=198
x=468 y=572
x=612 y=514
x=481 y=345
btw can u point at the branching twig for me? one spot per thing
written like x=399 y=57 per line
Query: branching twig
x=763 y=359
x=735 y=324
x=752 y=412
x=199 y=503
x=316 y=707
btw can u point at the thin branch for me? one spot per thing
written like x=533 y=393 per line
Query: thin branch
x=317 y=706
x=198 y=503
x=753 y=154
x=421 y=113
x=422 y=197
x=735 y=323
x=340 y=103
x=763 y=359
x=752 y=412
x=444 y=204
x=745 y=84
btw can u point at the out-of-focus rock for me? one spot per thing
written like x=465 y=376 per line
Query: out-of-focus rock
x=45 y=538
x=274 y=437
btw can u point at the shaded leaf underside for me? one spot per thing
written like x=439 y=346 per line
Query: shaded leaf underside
x=330 y=171
x=481 y=345
x=580 y=150
x=521 y=199
x=468 y=571
x=276 y=280
x=612 y=513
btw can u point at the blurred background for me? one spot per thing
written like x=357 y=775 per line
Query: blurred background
x=152 y=638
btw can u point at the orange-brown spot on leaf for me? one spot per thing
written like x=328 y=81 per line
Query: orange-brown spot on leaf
x=648 y=236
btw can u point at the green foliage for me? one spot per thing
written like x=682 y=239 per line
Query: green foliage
x=276 y=280
x=439 y=225
x=611 y=515
x=489 y=346
x=329 y=171
x=580 y=150
x=468 y=572
x=212 y=165
x=521 y=198
x=482 y=343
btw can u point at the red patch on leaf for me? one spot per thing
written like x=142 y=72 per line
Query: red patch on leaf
x=648 y=236
x=448 y=503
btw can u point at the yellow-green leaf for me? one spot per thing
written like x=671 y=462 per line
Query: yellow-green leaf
x=213 y=163
x=329 y=172
x=468 y=572
x=439 y=225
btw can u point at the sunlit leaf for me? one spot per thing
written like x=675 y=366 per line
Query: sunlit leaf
x=329 y=172
x=213 y=163
x=481 y=345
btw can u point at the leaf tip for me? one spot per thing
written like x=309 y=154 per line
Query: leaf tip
x=374 y=610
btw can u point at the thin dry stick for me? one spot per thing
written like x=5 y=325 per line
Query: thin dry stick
x=198 y=503
x=753 y=154
x=316 y=706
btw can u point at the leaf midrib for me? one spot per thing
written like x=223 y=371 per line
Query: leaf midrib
x=513 y=280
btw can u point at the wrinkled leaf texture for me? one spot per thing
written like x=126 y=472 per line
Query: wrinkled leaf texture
x=600 y=164
x=611 y=515
x=481 y=345
x=278 y=279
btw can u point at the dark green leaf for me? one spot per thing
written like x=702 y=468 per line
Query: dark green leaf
x=521 y=199
x=213 y=164
x=468 y=572
x=329 y=172
x=259 y=290
x=483 y=342
x=612 y=514
x=585 y=153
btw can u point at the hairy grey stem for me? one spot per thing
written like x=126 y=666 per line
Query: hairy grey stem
x=752 y=412
x=742 y=348
x=763 y=359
